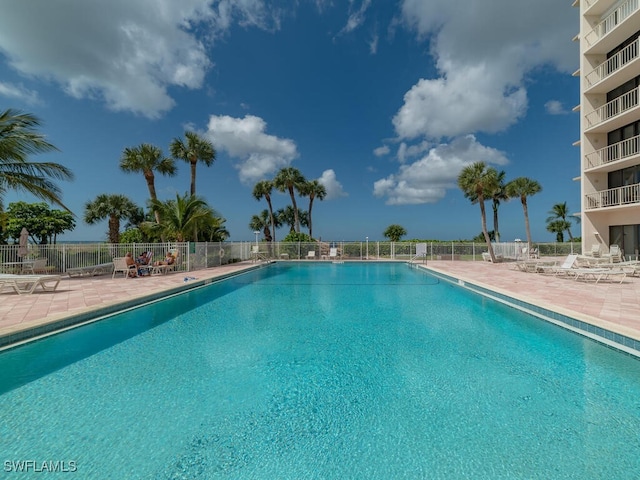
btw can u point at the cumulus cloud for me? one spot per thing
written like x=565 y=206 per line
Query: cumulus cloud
x=480 y=85
x=427 y=179
x=332 y=185
x=258 y=154
x=126 y=54
x=19 y=92
x=554 y=107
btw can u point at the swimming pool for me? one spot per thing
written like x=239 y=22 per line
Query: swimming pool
x=322 y=371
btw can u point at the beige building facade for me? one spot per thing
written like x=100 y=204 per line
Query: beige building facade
x=610 y=123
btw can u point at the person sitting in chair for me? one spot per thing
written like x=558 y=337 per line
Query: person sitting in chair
x=168 y=260
x=128 y=258
x=143 y=258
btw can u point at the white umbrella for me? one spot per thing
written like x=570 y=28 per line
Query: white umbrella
x=24 y=241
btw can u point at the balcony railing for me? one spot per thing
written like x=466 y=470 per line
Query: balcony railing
x=629 y=194
x=613 y=64
x=611 y=21
x=617 y=151
x=613 y=108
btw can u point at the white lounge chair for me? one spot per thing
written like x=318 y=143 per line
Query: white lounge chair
x=333 y=253
x=566 y=266
x=120 y=266
x=311 y=254
x=28 y=283
x=90 y=270
x=598 y=274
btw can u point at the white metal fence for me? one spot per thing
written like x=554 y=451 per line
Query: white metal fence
x=196 y=256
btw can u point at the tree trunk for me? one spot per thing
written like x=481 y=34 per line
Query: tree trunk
x=114 y=229
x=310 y=207
x=295 y=210
x=193 y=176
x=496 y=231
x=484 y=229
x=526 y=222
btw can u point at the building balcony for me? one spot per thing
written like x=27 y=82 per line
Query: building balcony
x=614 y=114
x=614 y=157
x=597 y=7
x=613 y=197
x=615 y=71
x=623 y=21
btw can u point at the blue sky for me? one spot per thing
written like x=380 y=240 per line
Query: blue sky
x=384 y=102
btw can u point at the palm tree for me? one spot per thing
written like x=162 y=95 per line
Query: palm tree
x=182 y=217
x=113 y=207
x=262 y=222
x=478 y=182
x=263 y=189
x=289 y=179
x=394 y=232
x=18 y=140
x=560 y=212
x=523 y=187
x=146 y=159
x=313 y=189
x=288 y=216
x=558 y=227
x=499 y=195
x=192 y=151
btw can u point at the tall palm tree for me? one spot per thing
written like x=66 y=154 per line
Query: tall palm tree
x=18 y=140
x=264 y=189
x=195 y=149
x=288 y=179
x=523 y=187
x=147 y=159
x=114 y=207
x=499 y=195
x=182 y=217
x=313 y=189
x=478 y=182
x=560 y=212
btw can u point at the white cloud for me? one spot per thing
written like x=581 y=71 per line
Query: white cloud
x=427 y=180
x=356 y=15
x=332 y=185
x=126 y=54
x=482 y=70
x=381 y=151
x=259 y=155
x=19 y=92
x=554 y=107
x=406 y=151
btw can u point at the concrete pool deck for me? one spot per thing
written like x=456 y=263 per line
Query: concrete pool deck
x=609 y=305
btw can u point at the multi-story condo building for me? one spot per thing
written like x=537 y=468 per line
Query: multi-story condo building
x=610 y=123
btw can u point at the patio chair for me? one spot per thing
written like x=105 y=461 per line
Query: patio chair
x=39 y=265
x=595 y=250
x=615 y=254
x=120 y=266
x=333 y=253
x=311 y=254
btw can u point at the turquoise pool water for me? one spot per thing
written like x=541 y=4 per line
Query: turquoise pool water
x=331 y=371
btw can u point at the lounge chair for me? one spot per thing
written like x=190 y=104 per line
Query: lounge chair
x=333 y=253
x=595 y=250
x=566 y=266
x=311 y=254
x=90 y=270
x=615 y=254
x=598 y=274
x=28 y=283
x=120 y=266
